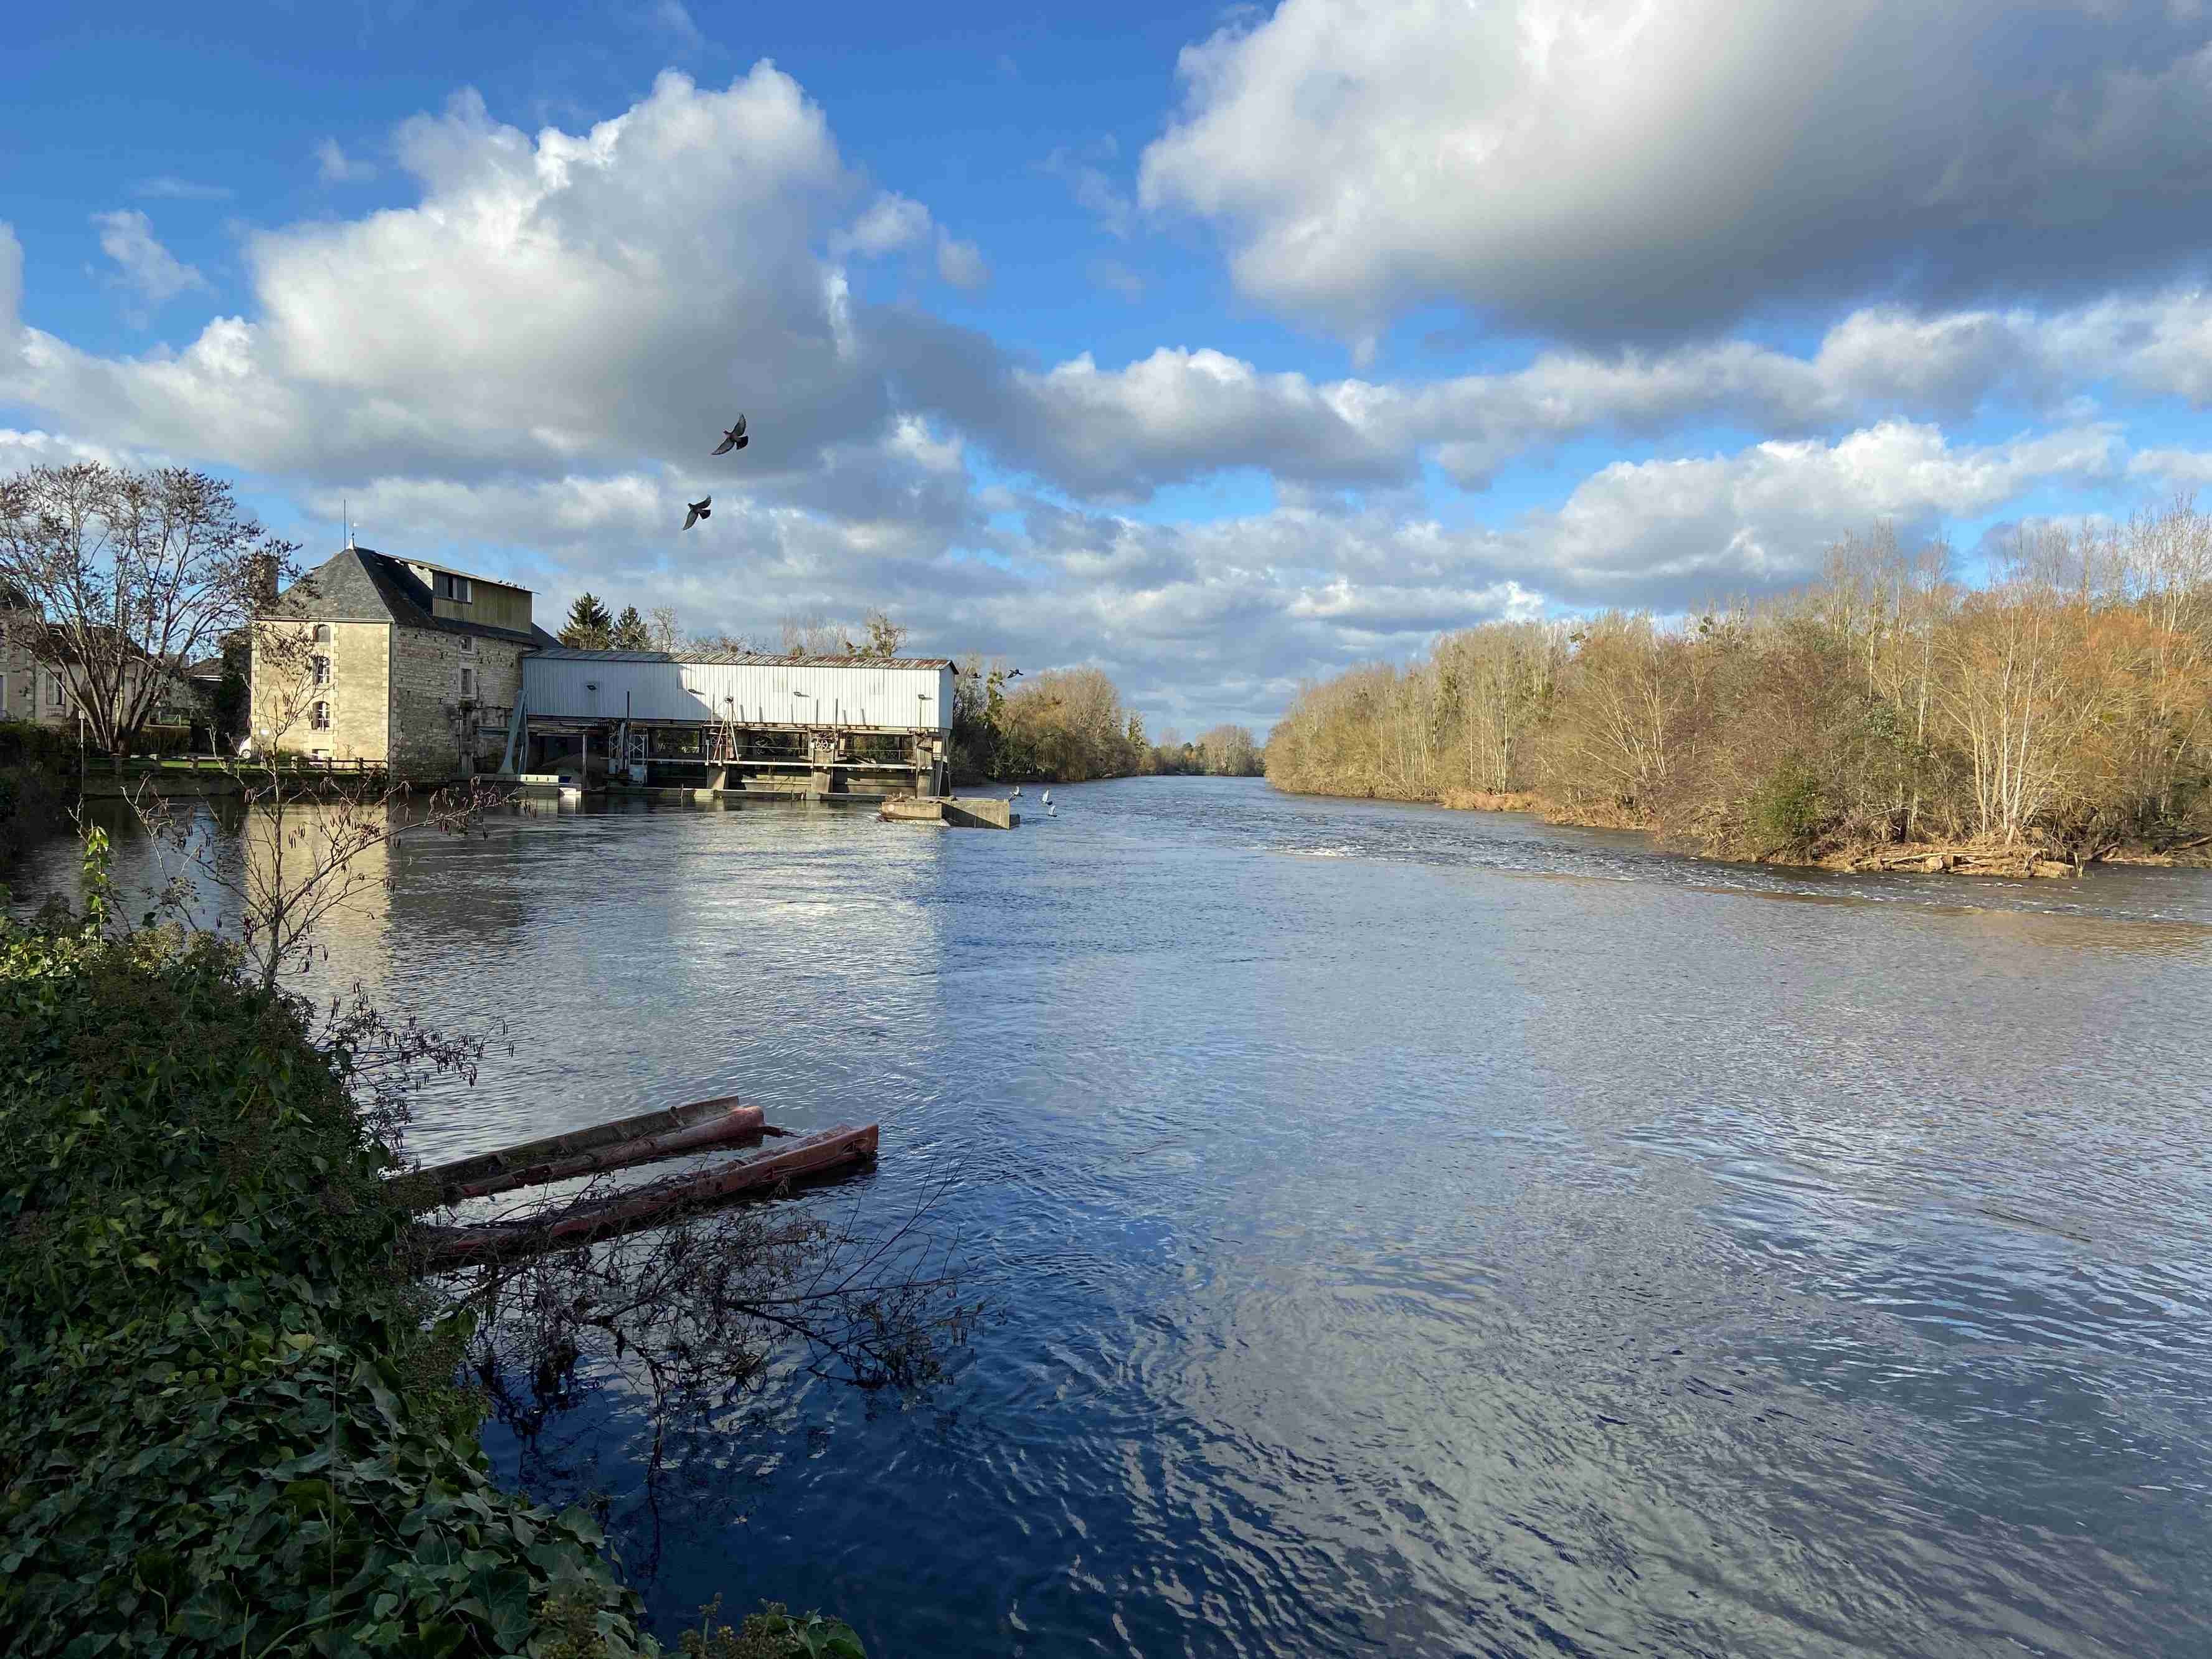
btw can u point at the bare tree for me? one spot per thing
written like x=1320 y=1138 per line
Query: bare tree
x=812 y=634
x=661 y=630
x=722 y=645
x=132 y=574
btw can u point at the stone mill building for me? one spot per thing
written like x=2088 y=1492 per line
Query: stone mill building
x=400 y=662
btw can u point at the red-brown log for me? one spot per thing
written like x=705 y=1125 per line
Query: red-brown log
x=641 y=1206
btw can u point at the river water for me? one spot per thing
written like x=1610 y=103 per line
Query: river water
x=1411 y=1232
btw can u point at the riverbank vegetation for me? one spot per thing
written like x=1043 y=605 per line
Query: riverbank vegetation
x=2060 y=709
x=234 y=1414
x=1063 y=726
x=38 y=782
x=227 y=1417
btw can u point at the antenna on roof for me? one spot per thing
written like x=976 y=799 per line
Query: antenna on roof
x=348 y=509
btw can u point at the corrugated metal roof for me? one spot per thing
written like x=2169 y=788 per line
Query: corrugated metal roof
x=576 y=653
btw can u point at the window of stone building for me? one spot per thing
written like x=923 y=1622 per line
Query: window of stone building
x=322 y=670
x=468 y=645
x=322 y=633
x=468 y=681
x=320 y=719
x=456 y=588
x=53 y=691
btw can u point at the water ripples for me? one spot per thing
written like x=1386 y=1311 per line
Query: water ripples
x=1412 y=1231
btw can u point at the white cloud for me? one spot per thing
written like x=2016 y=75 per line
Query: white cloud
x=334 y=166
x=1617 y=169
x=1178 y=414
x=142 y=265
x=1675 y=532
x=891 y=222
x=2180 y=469
x=602 y=295
x=961 y=264
x=35 y=448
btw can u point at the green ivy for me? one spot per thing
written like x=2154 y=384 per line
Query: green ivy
x=227 y=1422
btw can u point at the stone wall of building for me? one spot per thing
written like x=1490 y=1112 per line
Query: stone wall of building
x=426 y=731
x=442 y=728
x=22 y=696
x=356 y=694
x=499 y=688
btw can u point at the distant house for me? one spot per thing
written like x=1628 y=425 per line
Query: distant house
x=38 y=682
x=410 y=664
x=29 y=691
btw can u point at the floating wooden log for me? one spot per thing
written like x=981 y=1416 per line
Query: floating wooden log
x=644 y=1138
x=647 y=1206
x=2015 y=863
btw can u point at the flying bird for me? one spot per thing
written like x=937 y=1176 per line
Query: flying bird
x=733 y=439
x=700 y=509
x=1016 y=675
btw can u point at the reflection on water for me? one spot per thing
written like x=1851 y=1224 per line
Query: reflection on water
x=1401 y=1255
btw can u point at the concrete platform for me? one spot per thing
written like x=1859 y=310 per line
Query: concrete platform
x=974 y=812
x=981 y=812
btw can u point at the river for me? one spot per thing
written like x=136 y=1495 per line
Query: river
x=1411 y=1232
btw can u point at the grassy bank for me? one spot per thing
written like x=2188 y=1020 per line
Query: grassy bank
x=229 y=1416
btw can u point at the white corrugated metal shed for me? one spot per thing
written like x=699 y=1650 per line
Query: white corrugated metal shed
x=881 y=694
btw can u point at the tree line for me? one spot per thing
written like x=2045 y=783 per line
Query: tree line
x=1220 y=751
x=2063 y=703
x=590 y=626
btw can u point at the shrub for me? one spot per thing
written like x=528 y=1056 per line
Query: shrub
x=40 y=748
x=38 y=764
x=1786 y=813
x=225 y=1423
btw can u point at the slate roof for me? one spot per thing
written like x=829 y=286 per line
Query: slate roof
x=361 y=584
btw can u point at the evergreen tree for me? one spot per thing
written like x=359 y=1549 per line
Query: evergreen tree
x=630 y=632
x=589 y=627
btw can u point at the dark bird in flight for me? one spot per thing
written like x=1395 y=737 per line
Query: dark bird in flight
x=1016 y=675
x=733 y=439
x=700 y=509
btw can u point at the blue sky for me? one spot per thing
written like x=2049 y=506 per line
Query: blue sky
x=1222 y=348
